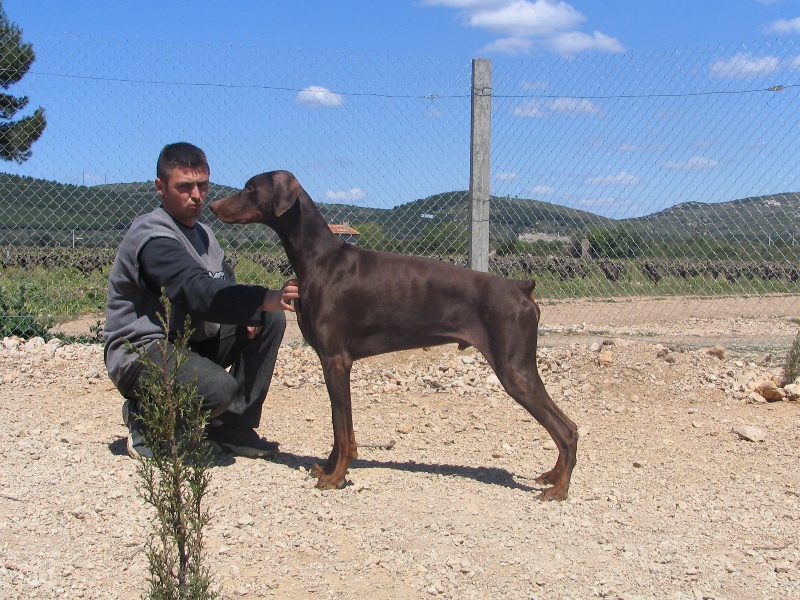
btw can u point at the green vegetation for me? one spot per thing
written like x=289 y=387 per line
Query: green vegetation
x=791 y=368
x=18 y=315
x=16 y=58
x=55 y=288
x=616 y=242
x=175 y=480
x=57 y=282
x=57 y=243
x=35 y=212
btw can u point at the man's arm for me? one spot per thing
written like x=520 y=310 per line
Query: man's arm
x=165 y=263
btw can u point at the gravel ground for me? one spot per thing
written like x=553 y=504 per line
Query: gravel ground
x=667 y=500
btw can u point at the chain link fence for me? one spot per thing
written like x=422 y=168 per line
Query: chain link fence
x=678 y=165
x=612 y=176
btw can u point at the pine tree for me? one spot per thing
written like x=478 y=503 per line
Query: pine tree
x=16 y=58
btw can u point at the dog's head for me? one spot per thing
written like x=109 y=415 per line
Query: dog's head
x=264 y=199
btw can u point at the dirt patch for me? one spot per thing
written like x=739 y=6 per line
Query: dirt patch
x=767 y=322
x=667 y=501
x=746 y=323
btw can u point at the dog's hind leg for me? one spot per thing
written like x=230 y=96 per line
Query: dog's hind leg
x=509 y=342
x=514 y=363
x=331 y=475
x=526 y=387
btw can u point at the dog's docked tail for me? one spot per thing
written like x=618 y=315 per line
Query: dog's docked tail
x=527 y=286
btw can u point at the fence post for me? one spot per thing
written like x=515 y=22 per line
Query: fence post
x=480 y=168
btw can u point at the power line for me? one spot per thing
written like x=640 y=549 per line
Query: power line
x=772 y=89
x=430 y=97
x=244 y=86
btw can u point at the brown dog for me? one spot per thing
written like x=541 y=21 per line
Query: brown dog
x=357 y=303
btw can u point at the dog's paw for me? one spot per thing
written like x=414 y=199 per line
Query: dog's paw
x=326 y=482
x=545 y=479
x=553 y=493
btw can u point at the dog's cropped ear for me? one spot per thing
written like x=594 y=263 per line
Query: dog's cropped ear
x=286 y=190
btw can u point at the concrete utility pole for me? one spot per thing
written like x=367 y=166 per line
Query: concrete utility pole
x=480 y=167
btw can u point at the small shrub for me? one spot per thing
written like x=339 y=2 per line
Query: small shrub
x=16 y=317
x=176 y=478
x=617 y=242
x=791 y=368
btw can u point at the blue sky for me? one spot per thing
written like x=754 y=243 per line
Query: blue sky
x=452 y=28
x=548 y=37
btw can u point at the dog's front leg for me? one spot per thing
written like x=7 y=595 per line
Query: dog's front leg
x=336 y=370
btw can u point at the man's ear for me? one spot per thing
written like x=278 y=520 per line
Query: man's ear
x=285 y=189
x=161 y=187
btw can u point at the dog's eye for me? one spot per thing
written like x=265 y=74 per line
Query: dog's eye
x=249 y=189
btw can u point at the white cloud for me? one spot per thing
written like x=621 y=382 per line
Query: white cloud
x=531 y=108
x=542 y=190
x=745 y=66
x=351 y=195
x=535 y=85
x=316 y=95
x=621 y=178
x=525 y=25
x=696 y=163
x=522 y=18
x=91 y=178
x=571 y=43
x=634 y=147
x=787 y=26
x=574 y=106
x=568 y=106
x=506 y=176
x=512 y=46
x=465 y=4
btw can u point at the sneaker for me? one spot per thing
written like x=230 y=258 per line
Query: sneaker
x=136 y=445
x=137 y=449
x=241 y=441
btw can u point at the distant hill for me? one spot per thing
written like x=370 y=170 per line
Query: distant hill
x=759 y=218
x=28 y=203
x=41 y=204
x=509 y=217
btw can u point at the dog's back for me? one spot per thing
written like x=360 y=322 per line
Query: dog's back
x=373 y=302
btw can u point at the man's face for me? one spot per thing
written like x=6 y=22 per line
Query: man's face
x=184 y=193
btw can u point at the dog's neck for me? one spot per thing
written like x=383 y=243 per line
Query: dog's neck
x=305 y=235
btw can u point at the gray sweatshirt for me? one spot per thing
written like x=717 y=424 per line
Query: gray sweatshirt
x=158 y=252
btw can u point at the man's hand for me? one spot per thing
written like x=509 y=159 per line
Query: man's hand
x=283 y=298
x=289 y=293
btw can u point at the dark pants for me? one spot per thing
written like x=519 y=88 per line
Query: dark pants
x=234 y=397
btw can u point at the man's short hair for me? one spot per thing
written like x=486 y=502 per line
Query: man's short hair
x=180 y=154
